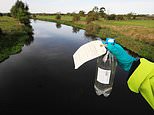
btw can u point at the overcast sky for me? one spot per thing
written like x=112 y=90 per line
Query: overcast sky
x=65 y=6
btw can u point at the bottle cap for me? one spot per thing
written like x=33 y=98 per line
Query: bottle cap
x=110 y=41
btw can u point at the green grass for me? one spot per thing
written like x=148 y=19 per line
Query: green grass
x=140 y=23
x=9 y=24
x=64 y=17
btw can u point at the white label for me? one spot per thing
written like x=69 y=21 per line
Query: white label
x=87 y=52
x=103 y=76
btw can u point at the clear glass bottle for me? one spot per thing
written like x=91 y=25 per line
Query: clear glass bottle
x=105 y=73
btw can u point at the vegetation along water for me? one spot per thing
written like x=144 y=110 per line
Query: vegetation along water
x=135 y=35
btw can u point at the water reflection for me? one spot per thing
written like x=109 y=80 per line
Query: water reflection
x=29 y=40
x=75 y=29
x=58 y=25
x=91 y=37
x=12 y=43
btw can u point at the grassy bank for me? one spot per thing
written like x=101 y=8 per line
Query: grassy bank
x=135 y=35
x=14 y=36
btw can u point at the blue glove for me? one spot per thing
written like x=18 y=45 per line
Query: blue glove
x=124 y=59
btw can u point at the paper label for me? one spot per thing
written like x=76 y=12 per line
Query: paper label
x=103 y=76
x=88 y=52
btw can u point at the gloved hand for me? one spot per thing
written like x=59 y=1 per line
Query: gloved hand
x=124 y=59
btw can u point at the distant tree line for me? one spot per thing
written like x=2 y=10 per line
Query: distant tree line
x=5 y=14
x=97 y=13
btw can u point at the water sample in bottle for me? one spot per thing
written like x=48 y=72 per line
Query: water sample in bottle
x=105 y=73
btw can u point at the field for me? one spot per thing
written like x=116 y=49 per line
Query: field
x=8 y=24
x=135 y=35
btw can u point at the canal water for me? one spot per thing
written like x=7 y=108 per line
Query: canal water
x=41 y=78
